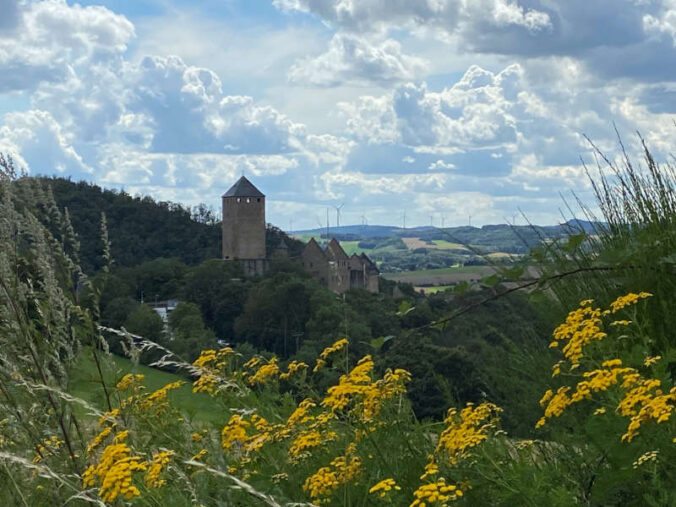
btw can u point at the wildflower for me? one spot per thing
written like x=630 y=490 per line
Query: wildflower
x=384 y=487
x=265 y=372
x=294 y=368
x=436 y=492
x=648 y=456
x=430 y=469
x=629 y=299
x=234 y=433
x=620 y=323
x=253 y=362
x=599 y=411
x=50 y=444
x=158 y=397
x=523 y=444
x=128 y=381
x=109 y=416
x=196 y=437
x=326 y=480
x=207 y=383
x=649 y=361
x=114 y=471
x=158 y=464
x=199 y=455
x=98 y=439
x=206 y=358
x=466 y=430
x=277 y=478
x=319 y=365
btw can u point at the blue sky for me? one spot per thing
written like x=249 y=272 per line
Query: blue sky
x=436 y=108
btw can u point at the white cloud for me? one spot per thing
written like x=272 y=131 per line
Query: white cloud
x=39 y=144
x=446 y=15
x=356 y=59
x=51 y=37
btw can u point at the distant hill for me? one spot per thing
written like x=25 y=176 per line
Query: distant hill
x=500 y=237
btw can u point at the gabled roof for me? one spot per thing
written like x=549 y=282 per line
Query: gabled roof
x=336 y=251
x=243 y=188
x=313 y=245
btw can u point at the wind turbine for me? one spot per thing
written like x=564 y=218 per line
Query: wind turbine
x=404 y=218
x=338 y=208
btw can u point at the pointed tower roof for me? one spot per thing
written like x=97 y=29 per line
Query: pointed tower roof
x=243 y=188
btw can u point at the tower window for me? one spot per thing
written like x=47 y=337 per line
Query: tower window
x=259 y=199
x=248 y=200
x=239 y=200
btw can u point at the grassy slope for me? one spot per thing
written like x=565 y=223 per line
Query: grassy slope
x=84 y=384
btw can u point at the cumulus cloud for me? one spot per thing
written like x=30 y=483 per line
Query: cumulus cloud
x=39 y=144
x=355 y=59
x=50 y=37
x=447 y=15
x=473 y=113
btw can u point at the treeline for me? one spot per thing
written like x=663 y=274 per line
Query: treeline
x=140 y=228
x=287 y=313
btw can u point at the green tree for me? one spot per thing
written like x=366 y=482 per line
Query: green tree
x=145 y=322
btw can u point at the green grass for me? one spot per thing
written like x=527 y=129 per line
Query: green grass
x=434 y=290
x=84 y=383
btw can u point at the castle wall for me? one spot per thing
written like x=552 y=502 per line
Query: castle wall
x=243 y=228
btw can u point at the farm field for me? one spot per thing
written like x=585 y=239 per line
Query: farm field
x=441 y=277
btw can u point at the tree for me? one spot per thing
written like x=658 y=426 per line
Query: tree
x=145 y=322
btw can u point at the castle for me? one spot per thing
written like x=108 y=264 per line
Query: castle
x=244 y=241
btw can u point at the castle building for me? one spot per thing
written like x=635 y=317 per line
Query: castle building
x=244 y=226
x=244 y=241
x=337 y=271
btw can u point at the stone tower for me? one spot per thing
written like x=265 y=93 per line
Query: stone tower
x=244 y=226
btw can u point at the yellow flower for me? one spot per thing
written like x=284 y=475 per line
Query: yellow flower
x=629 y=299
x=384 y=487
x=336 y=347
x=234 y=433
x=649 y=361
x=295 y=367
x=599 y=411
x=158 y=464
x=265 y=372
x=436 y=493
x=196 y=437
x=648 y=456
x=129 y=380
x=466 y=429
x=326 y=480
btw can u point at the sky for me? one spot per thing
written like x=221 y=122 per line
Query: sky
x=446 y=111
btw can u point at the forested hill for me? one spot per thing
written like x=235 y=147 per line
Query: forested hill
x=139 y=228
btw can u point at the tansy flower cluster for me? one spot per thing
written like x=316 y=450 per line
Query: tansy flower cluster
x=466 y=429
x=113 y=473
x=326 y=480
x=642 y=399
x=266 y=372
x=436 y=493
x=383 y=487
x=328 y=352
x=294 y=368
